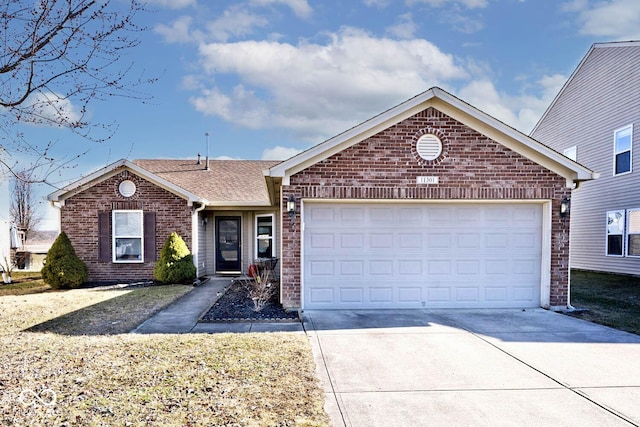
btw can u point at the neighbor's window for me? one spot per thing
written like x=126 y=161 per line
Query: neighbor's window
x=127 y=236
x=615 y=233
x=633 y=232
x=264 y=236
x=623 y=142
x=572 y=153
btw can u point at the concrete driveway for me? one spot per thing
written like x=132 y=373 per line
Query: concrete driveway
x=474 y=367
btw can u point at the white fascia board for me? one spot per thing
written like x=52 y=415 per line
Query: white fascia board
x=115 y=168
x=455 y=108
x=513 y=139
x=352 y=136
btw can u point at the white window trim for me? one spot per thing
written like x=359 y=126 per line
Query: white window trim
x=273 y=232
x=623 y=234
x=626 y=233
x=566 y=152
x=615 y=153
x=113 y=237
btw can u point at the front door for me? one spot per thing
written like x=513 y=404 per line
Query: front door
x=228 y=258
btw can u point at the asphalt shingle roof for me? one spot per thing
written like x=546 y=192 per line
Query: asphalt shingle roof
x=226 y=182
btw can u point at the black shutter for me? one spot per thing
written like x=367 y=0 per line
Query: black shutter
x=104 y=236
x=149 y=236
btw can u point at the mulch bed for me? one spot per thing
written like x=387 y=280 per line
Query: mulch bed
x=236 y=306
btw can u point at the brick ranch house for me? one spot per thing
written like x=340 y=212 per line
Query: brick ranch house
x=432 y=203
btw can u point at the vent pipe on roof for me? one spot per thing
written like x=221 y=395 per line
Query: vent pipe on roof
x=206 y=167
x=199 y=162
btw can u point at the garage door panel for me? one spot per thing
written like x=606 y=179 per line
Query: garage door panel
x=352 y=268
x=467 y=294
x=321 y=241
x=352 y=214
x=381 y=240
x=422 y=258
x=496 y=294
x=410 y=215
x=351 y=240
x=351 y=295
x=381 y=268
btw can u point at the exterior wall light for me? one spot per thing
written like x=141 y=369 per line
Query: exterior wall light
x=291 y=207
x=565 y=207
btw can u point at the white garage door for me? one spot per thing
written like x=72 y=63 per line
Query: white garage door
x=381 y=255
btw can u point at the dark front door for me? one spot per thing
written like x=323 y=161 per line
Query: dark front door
x=228 y=244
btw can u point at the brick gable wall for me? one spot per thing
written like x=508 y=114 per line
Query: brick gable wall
x=79 y=219
x=385 y=167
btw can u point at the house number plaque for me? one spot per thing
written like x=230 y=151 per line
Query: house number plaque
x=427 y=180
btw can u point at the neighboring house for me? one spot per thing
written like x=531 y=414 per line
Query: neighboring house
x=432 y=203
x=595 y=119
x=30 y=256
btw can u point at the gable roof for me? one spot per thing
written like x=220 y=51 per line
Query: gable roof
x=457 y=109
x=607 y=45
x=114 y=169
x=225 y=183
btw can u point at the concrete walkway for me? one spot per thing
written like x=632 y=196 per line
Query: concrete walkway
x=181 y=316
x=474 y=367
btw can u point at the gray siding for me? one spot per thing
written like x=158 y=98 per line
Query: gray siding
x=603 y=95
x=208 y=242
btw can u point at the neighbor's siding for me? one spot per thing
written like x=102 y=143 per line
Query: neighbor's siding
x=79 y=220
x=385 y=166
x=603 y=96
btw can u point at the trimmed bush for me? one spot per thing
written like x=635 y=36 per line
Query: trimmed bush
x=63 y=268
x=176 y=262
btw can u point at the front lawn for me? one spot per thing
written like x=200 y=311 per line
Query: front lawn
x=66 y=359
x=610 y=299
x=24 y=282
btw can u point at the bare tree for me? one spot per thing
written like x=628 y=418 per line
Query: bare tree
x=56 y=57
x=22 y=207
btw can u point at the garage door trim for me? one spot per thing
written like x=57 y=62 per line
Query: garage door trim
x=546 y=214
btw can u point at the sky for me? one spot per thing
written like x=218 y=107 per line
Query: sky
x=267 y=79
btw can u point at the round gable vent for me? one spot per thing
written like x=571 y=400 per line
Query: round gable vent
x=429 y=147
x=127 y=188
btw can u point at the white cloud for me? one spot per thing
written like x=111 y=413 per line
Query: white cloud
x=173 y=4
x=471 y=4
x=405 y=27
x=177 y=32
x=51 y=110
x=299 y=7
x=520 y=111
x=462 y=23
x=279 y=153
x=614 y=19
x=318 y=90
x=376 y=3
x=235 y=21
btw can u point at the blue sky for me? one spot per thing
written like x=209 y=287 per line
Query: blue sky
x=269 y=78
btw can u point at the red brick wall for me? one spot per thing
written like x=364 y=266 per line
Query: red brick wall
x=79 y=219
x=385 y=166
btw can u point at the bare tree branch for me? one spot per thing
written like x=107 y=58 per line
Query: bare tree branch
x=56 y=58
x=23 y=208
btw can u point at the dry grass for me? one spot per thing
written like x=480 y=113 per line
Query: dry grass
x=24 y=283
x=59 y=376
x=85 y=311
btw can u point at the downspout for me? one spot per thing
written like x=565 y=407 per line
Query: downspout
x=195 y=250
x=58 y=206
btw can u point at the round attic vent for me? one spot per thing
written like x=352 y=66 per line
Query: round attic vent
x=127 y=188
x=429 y=146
